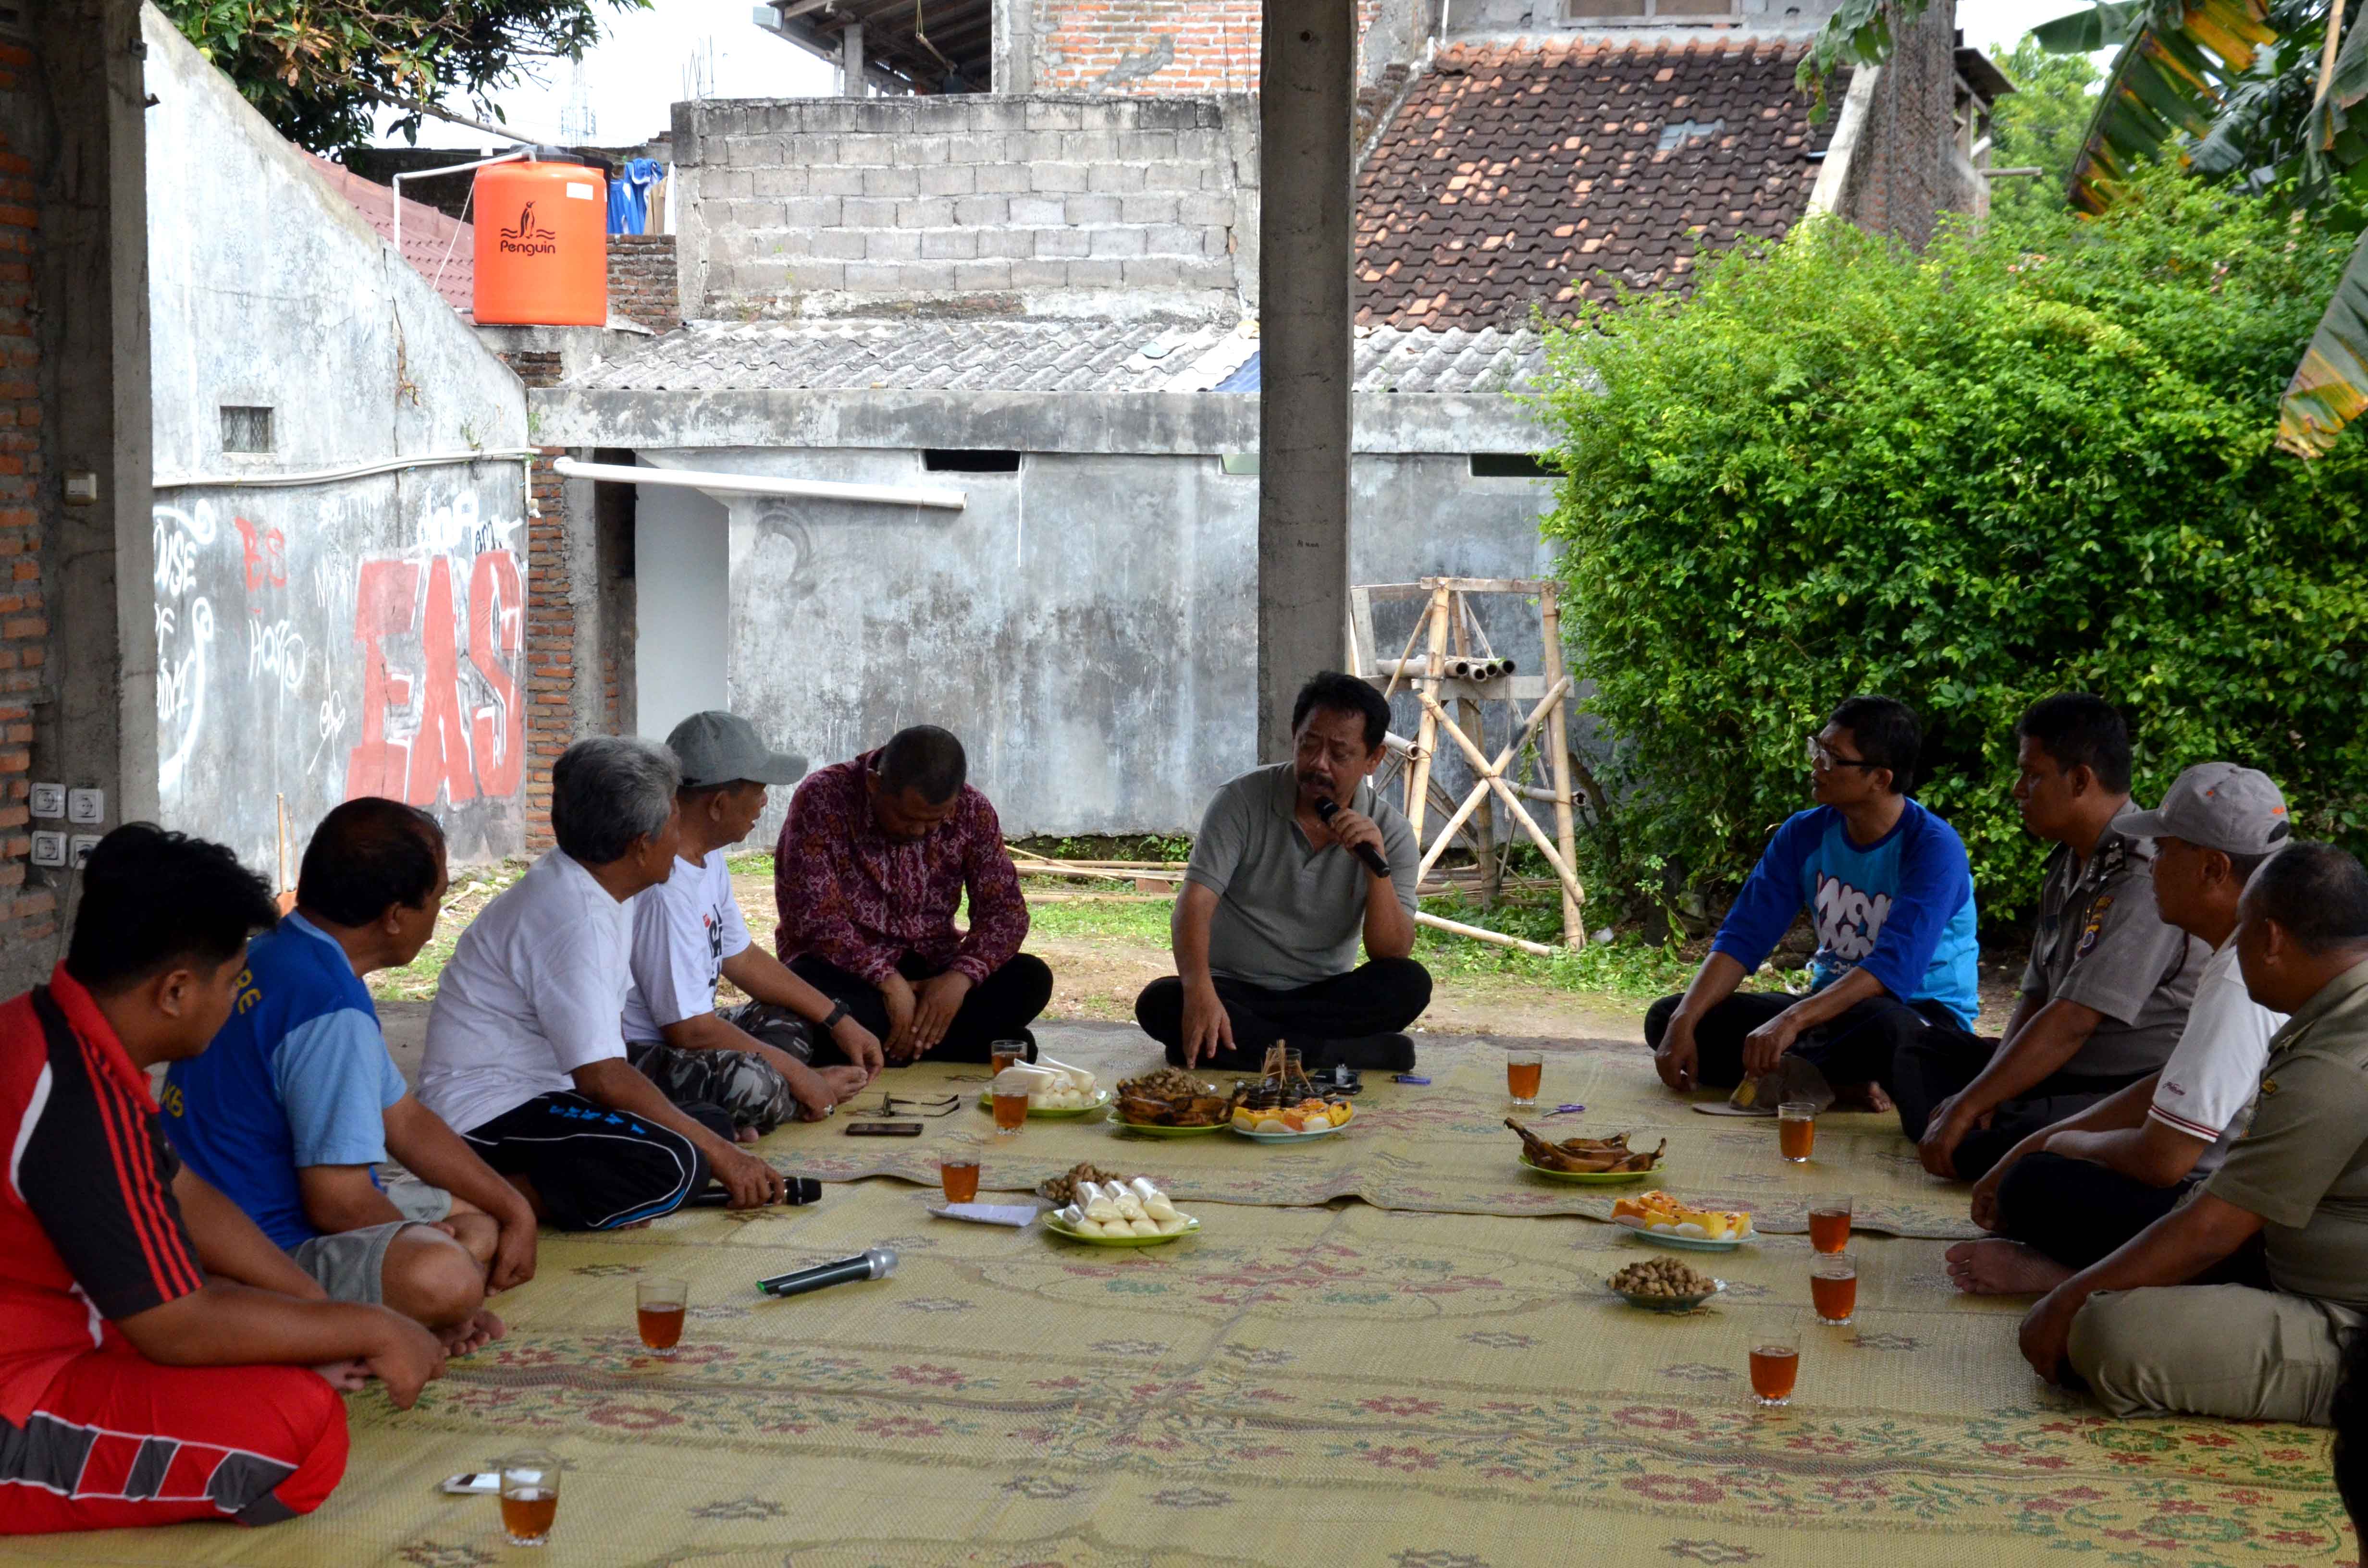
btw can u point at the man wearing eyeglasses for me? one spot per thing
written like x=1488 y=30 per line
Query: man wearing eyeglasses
x=1888 y=886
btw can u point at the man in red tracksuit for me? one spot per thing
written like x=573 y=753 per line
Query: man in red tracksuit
x=160 y=1359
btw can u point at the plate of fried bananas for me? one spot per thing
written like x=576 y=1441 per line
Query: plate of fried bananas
x=1589 y=1162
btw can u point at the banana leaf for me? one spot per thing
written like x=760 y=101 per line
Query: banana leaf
x=2331 y=389
x=2108 y=24
x=2169 y=84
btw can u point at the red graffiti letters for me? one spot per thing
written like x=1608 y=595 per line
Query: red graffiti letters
x=385 y=598
x=496 y=627
x=266 y=552
x=439 y=757
x=455 y=748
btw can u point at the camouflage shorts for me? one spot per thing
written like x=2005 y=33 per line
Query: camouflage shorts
x=744 y=1087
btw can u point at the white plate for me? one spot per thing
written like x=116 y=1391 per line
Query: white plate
x=1683 y=1244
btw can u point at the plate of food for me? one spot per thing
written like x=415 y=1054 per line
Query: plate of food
x=1664 y=1285
x=1052 y=1108
x=1292 y=1123
x=1663 y=1221
x=1170 y=1103
x=1127 y=1214
x=1589 y=1162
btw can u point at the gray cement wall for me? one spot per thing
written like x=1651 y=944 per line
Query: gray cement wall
x=322 y=642
x=1055 y=205
x=1087 y=624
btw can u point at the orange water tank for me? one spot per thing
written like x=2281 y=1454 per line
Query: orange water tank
x=542 y=244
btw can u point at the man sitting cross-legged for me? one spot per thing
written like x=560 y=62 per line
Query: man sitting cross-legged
x=160 y=1360
x=2108 y=983
x=296 y=1101
x=688 y=935
x=1886 y=885
x=2237 y=1303
x=1276 y=898
x=525 y=1051
x=876 y=855
x=2070 y=1193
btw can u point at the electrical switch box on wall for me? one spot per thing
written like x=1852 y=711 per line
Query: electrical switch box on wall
x=48 y=801
x=78 y=849
x=49 y=848
x=88 y=807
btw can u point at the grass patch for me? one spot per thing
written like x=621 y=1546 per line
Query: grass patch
x=474 y=887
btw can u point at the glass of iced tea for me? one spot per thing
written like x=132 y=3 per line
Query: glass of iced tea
x=1011 y=1099
x=1830 y=1222
x=1775 y=1364
x=530 y=1496
x=958 y=1173
x=1796 y=1129
x=1833 y=1288
x=1004 y=1052
x=658 y=1304
x=1523 y=1072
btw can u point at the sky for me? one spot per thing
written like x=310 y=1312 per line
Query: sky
x=648 y=60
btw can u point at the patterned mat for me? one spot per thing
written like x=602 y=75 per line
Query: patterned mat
x=1440 y=1149
x=1292 y=1386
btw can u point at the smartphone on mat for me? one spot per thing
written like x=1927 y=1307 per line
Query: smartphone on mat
x=883 y=1130
x=481 y=1483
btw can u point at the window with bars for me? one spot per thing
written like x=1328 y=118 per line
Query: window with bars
x=245 y=428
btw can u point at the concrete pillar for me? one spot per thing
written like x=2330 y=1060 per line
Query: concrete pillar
x=1306 y=109
x=851 y=61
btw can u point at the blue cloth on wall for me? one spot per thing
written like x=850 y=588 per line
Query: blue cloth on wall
x=628 y=196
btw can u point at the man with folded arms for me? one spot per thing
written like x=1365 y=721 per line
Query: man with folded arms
x=296 y=1101
x=160 y=1360
x=1276 y=899
x=2070 y=1193
x=876 y=855
x=688 y=935
x=2237 y=1303
x=526 y=1052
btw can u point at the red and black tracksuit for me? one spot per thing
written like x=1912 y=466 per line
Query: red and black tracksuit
x=94 y=1435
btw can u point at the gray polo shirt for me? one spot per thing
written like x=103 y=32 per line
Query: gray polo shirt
x=1287 y=915
x=2102 y=943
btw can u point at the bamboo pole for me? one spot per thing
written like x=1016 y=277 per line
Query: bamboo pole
x=1438 y=923
x=1574 y=928
x=1427 y=735
x=1487 y=771
x=1512 y=801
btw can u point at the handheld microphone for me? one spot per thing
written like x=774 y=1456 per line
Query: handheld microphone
x=1365 y=852
x=876 y=1263
x=794 y=1190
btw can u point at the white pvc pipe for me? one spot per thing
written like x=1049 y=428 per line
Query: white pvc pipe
x=332 y=475
x=762 y=484
x=397 y=184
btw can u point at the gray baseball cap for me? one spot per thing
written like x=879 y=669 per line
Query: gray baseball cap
x=715 y=747
x=2217 y=805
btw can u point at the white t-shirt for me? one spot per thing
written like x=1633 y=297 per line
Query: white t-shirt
x=2215 y=1069
x=683 y=930
x=534 y=991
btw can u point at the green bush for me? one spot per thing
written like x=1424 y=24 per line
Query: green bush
x=1967 y=479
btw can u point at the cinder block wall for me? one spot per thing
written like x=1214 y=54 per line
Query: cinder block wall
x=792 y=205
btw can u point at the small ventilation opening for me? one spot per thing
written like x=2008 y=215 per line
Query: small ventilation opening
x=246 y=429
x=1508 y=465
x=943 y=460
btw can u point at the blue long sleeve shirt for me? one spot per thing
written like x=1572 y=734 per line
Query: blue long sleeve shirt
x=1901 y=908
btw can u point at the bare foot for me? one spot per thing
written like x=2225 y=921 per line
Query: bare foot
x=745 y=1134
x=2003 y=1268
x=1862 y=1097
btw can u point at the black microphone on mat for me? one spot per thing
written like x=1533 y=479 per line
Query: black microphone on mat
x=794 y=1190
x=876 y=1263
x=1365 y=852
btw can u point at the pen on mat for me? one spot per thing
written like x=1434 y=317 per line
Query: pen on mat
x=1563 y=1110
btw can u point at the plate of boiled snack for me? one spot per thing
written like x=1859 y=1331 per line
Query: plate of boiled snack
x=1664 y=1285
x=1127 y=1214
x=1660 y=1218
x=1589 y=1162
x=1170 y=1103
x=1056 y=1091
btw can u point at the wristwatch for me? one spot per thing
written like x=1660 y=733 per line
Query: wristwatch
x=831 y=1022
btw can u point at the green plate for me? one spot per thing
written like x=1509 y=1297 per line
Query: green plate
x=1590 y=1178
x=1155 y=1130
x=1191 y=1228
x=1102 y=1099
x=1684 y=1243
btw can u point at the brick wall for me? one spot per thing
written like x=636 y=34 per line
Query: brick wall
x=1906 y=169
x=27 y=914
x=1162 y=47
x=550 y=650
x=642 y=285
x=965 y=195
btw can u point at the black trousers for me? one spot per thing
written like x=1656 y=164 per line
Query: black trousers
x=2077 y=1211
x=1860 y=1046
x=1938 y=1065
x=596 y=1168
x=1001 y=1006
x=1380 y=996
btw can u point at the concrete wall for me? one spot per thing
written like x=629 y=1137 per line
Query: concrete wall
x=1086 y=624
x=323 y=642
x=682 y=592
x=1062 y=205
x=1165 y=48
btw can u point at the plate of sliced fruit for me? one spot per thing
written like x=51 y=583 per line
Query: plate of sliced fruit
x=1292 y=1123
x=1657 y=1218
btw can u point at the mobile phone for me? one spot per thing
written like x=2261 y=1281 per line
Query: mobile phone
x=883 y=1130
x=478 y=1482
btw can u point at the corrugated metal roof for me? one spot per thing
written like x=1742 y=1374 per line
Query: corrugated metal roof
x=1094 y=356
x=438 y=248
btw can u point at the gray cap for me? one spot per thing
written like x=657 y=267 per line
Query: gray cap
x=2217 y=805
x=722 y=748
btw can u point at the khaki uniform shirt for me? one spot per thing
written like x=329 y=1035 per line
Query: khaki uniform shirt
x=1287 y=915
x=2302 y=1165
x=2102 y=943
